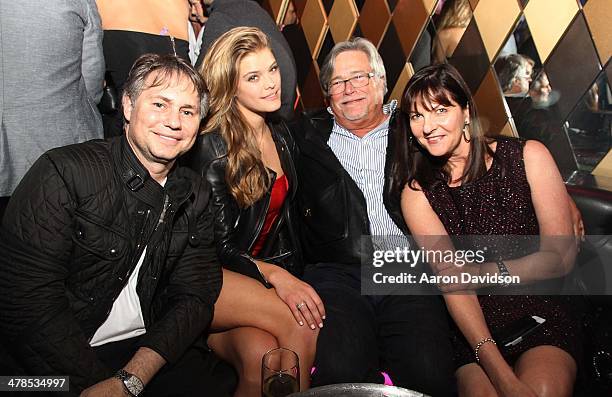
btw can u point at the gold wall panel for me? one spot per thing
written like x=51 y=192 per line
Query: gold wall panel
x=547 y=20
x=277 y=8
x=409 y=17
x=604 y=168
x=373 y=20
x=402 y=80
x=314 y=24
x=430 y=5
x=490 y=105
x=508 y=130
x=495 y=19
x=598 y=14
x=342 y=19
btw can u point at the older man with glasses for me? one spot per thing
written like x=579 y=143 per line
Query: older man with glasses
x=342 y=172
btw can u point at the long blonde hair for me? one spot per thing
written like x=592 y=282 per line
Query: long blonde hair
x=246 y=176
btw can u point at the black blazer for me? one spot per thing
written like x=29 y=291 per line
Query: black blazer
x=333 y=211
x=237 y=229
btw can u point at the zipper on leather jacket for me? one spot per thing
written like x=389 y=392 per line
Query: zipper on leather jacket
x=262 y=220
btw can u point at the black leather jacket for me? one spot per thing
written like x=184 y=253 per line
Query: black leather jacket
x=333 y=210
x=72 y=235
x=237 y=229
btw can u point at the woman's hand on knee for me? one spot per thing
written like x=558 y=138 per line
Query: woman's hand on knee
x=302 y=299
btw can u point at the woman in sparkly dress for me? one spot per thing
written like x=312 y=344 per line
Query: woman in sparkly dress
x=454 y=181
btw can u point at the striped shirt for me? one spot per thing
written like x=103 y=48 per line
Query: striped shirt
x=364 y=160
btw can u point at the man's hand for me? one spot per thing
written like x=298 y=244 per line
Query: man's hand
x=111 y=387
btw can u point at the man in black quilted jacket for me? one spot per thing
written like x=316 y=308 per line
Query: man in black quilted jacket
x=107 y=269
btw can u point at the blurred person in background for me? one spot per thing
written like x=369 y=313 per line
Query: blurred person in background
x=515 y=74
x=51 y=74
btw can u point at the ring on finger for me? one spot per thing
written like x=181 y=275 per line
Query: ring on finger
x=300 y=305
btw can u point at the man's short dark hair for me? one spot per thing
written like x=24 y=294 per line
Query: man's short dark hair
x=167 y=67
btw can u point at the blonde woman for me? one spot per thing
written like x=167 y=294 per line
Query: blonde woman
x=249 y=162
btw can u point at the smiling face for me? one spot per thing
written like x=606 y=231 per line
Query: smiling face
x=439 y=128
x=259 y=84
x=356 y=108
x=162 y=122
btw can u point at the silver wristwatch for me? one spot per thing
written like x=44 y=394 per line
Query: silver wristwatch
x=132 y=383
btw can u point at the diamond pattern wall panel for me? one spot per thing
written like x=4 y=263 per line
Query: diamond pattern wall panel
x=314 y=22
x=572 y=44
x=342 y=19
x=572 y=69
x=490 y=104
x=598 y=14
x=276 y=8
x=374 y=19
x=409 y=18
x=495 y=18
x=400 y=85
x=430 y=5
x=392 y=54
x=547 y=21
x=470 y=57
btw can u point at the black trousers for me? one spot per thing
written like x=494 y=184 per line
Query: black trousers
x=406 y=336
x=3 y=203
x=197 y=373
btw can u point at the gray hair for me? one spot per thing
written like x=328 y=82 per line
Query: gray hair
x=167 y=67
x=354 y=44
x=509 y=68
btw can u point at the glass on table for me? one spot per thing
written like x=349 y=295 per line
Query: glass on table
x=280 y=373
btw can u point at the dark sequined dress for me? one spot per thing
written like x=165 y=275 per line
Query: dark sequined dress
x=499 y=203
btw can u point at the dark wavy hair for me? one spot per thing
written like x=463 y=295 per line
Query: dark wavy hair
x=411 y=162
x=165 y=67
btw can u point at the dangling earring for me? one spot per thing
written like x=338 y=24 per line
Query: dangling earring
x=467 y=138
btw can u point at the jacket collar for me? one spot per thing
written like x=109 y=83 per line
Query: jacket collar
x=137 y=179
x=317 y=128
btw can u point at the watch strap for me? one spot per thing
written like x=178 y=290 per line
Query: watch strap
x=131 y=382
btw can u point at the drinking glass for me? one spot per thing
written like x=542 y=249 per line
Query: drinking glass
x=280 y=373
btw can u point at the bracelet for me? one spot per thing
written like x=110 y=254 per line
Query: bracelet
x=503 y=271
x=479 y=345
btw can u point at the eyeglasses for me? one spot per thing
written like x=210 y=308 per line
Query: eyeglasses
x=357 y=81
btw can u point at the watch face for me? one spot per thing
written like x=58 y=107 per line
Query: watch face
x=134 y=385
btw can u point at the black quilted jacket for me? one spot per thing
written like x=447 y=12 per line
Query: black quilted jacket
x=71 y=236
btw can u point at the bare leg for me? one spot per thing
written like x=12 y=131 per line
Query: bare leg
x=548 y=370
x=472 y=381
x=244 y=302
x=243 y=347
